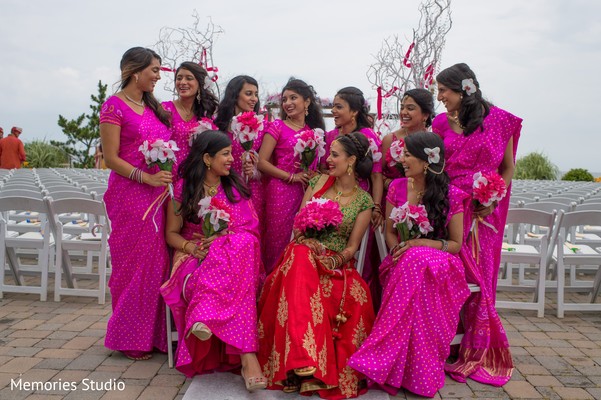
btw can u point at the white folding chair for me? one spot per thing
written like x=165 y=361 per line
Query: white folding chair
x=574 y=256
x=522 y=253
x=474 y=288
x=10 y=242
x=93 y=239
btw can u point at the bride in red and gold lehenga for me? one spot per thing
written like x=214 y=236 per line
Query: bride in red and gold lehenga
x=315 y=310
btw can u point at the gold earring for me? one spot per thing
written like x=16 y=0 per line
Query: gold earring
x=425 y=170
x=136 y=75
x=208 y=165
x=306 y=111
x=349 y=169
x=198 y=96
x=353 y=120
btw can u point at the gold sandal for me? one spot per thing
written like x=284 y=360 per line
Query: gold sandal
x=254 y=383
x=305 y=371
x=201 y=331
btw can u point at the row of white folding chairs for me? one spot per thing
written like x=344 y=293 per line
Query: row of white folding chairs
x=546 y=240
x=53 y=238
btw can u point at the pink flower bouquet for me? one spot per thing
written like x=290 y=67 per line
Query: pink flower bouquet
x=159 y=152
x=205 y=124
x=376 y=155
x=214 y=215
x=488 y=188
x=393 y=155
x=411 y=221
x=246 y=127
x=309 y=144
x=318 y=218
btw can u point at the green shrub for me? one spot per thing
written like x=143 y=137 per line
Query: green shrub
x=535 y=166
x=578 y=174
x=41 y=154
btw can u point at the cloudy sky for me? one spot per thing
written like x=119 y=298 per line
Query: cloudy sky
x=537 y=59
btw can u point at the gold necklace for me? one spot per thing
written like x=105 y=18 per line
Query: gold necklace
x=294 y=124
x=340 y=194
x=418 y=193
x=455 y=118
x=188 y=113
x=138 y=103
x=212 y=189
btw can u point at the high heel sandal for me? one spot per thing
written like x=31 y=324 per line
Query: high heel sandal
x=201 y=331
x=254 y=383
x=305 y=371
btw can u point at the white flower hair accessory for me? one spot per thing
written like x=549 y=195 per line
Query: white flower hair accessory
x=469 y=86
x=433 y=155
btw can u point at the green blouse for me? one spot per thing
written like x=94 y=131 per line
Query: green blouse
x=338 y=239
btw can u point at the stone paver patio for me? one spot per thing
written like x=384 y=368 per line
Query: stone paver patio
x=57 y=345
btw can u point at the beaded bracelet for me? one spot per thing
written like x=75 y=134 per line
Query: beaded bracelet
x=445 y=245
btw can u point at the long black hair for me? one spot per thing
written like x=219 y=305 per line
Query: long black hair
x=356 y=101
x=133 y=61
x=206 y=106
x=227 y=107
x=356 y=144
x=193 y=171
x=473 y=107
x=314 y=116
x=435 y=198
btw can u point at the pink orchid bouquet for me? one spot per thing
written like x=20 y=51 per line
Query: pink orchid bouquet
x=205 y=124
x=376 y=154
x=214 y=215
x=488 y=188
x=310 y=143
x=318 y=218
x=411 y=221
x=246 y=127
x=273 y=99
x=394 y=153
x=159 y=152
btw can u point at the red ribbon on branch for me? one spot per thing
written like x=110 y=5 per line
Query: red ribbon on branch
x=204 y=63
x=406 y=62
x=167 y=69
x=384 y=96
x=429 y=75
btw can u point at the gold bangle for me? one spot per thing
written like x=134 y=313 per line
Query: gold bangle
x=184 y=246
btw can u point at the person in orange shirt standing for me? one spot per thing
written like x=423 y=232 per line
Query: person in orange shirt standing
x=12 y=151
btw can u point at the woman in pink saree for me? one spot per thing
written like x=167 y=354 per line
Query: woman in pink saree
x=138 y=250
x=214 y=281
x=479 y=137
x=242 y=95
x=286 y=181
x=423 y=279
x=194 y=102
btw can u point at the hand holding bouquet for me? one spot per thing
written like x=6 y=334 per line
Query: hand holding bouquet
x=309 y=144
x=161 y=153
x=488 y=188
